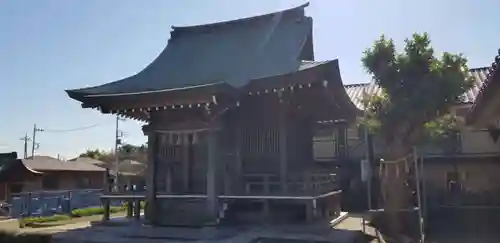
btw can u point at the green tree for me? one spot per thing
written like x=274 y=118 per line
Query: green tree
x=94 y=154
x=418 y=91
x=125 y=151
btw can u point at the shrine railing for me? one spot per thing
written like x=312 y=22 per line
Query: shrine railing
x=310 y=184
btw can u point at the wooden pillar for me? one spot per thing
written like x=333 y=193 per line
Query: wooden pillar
x=238 y=160
x=167 y=164
x=211 y=177
x=341 y=139
x=185 y=161
x=283 y=145
x=151 y=178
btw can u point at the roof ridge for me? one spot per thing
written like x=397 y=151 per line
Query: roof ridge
x=236 y=21
x=357 y=84
x=478 y=69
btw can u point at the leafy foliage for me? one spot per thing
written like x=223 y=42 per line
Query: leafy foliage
x=126 y=152
x=418 y=89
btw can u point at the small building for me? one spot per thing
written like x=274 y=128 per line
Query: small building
x=42 y=173
x=231 y=111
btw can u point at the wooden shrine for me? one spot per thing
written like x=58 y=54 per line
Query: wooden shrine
x=231 y=109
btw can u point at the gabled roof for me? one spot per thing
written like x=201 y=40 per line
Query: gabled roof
x=227 y=53
x=47 y=163
x=480 y=75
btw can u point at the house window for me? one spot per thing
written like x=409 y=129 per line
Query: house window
x=50 y=182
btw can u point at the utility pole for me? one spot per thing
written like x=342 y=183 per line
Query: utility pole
x=25 y=139
x=34 y=143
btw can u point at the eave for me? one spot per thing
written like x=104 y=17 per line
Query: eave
x=140 y=105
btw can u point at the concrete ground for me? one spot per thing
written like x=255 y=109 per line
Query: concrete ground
x=135 y=232
x=354 y=222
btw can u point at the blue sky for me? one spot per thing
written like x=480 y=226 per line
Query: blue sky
x=47 y=46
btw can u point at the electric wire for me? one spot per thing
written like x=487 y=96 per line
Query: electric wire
x=75 y=129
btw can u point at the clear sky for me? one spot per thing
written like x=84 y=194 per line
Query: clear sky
x=47 y=46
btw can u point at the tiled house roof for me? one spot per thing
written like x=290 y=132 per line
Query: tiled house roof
x=486 y=90
x=46 y=163
x=480 y=75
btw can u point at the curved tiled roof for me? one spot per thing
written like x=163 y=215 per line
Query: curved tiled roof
x=231 y=52
x=480 y=76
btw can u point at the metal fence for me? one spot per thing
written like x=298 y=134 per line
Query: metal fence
x=46 y=203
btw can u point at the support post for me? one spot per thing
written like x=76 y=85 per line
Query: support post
x=129 y=208
x=137 y=210
x=283 y=144
x=185 y=162
x=151 y=186
x=266 y=211
x=211 y=177
x=309 y=211
x=106 y=206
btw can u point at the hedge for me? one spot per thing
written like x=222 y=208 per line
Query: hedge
x=45 y=219
x=82 y=212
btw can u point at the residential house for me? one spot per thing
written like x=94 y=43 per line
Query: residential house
x=131 y=172
x=47 y=173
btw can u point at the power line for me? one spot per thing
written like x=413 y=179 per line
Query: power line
x=72 y=130
x=75 y=129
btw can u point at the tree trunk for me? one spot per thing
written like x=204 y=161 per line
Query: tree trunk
x=394 y=190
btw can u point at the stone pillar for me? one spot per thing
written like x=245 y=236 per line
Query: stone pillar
x=211 y=177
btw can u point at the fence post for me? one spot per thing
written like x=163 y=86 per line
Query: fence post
x=28 y=203
x=70 y=199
